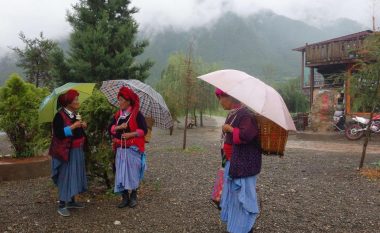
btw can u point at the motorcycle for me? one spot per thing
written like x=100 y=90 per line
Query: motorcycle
x=339 y=121
x=359 y=125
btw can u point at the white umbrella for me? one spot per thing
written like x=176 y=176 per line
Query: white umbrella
x=254 y=93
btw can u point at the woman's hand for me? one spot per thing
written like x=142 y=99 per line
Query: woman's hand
x=84 y=124
x=128 y=135
x=122 y=126
x=227 y=128
x=75 y=125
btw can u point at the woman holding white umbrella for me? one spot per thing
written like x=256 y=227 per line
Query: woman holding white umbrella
x=242 y=152
x=243 y=144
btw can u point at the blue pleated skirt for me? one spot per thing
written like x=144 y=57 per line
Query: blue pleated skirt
x=239 y=203
x=70 y=177
x=130 y=167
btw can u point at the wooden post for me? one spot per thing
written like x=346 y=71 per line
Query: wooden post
x=311 y=86
x=367 y=136
x=347 y=95
x=302 y=70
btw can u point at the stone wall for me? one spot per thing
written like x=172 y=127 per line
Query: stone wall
x=323 y=109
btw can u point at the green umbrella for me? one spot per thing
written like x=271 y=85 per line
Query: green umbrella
x=48 y=107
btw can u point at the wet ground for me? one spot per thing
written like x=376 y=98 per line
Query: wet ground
x=314 y=188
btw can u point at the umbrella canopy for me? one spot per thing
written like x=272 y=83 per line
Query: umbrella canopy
x=255 y=94
x=48 y=107
x=151 y=102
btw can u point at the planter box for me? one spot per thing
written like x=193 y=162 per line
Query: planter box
x=24 y=168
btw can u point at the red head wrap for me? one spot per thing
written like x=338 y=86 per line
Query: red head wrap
x=130 y=95
x=68 y=97
x=219 y=93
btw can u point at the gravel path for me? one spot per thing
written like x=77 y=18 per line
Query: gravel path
x=314 y=188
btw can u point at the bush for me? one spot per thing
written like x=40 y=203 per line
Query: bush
x=293 y=97
x=97 y=112
x=19 y=103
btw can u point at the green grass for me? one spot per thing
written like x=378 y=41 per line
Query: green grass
x=157 y=185
x=219 y=112
x=194 y=149
x=377 y=164
x=110 y=193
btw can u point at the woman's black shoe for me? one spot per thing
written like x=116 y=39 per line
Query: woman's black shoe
x=133 y=201
x=124 y=203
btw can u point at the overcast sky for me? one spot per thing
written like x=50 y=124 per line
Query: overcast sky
x=49 y=16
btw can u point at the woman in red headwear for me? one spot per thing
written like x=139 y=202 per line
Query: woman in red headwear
x=128 y=128
x=66 y=149
x=241 y=153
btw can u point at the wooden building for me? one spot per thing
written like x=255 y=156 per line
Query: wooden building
x=329 y=58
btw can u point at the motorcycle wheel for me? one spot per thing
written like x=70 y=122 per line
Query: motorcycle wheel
x=352 y=132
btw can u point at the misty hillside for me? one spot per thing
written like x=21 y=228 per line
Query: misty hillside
x=8 y=65
x=260 y=44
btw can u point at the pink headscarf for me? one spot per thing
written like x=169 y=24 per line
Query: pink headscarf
x=219 y=92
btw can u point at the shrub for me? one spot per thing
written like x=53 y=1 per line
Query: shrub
x=97 y=112
x=19 y=103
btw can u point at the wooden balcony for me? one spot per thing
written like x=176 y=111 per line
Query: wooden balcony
x=341 y=50
x=333 y=53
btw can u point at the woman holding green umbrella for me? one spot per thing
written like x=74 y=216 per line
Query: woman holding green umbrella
x=66 y=149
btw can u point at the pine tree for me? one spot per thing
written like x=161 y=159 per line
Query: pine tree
x=36 y=59
x=104 y=42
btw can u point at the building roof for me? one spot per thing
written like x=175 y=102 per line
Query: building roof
x=342 y=38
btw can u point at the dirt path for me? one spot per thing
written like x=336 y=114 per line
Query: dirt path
x=314 y=188
x=332 y=146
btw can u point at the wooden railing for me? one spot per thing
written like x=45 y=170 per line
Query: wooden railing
x=333 y=52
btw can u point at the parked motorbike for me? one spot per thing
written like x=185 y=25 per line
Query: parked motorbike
x=355 y=130
x=339 y=123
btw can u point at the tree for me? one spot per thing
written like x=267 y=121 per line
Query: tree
x=205 y=92
x=103 y=44
x=270 y=72
x=294 y=99
x=172 y=83
x=60 y=71
x=365 y=83
x=19 y=103
x=182 y=91
x=188 y=84
x=36 y=59
x=177 y=85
